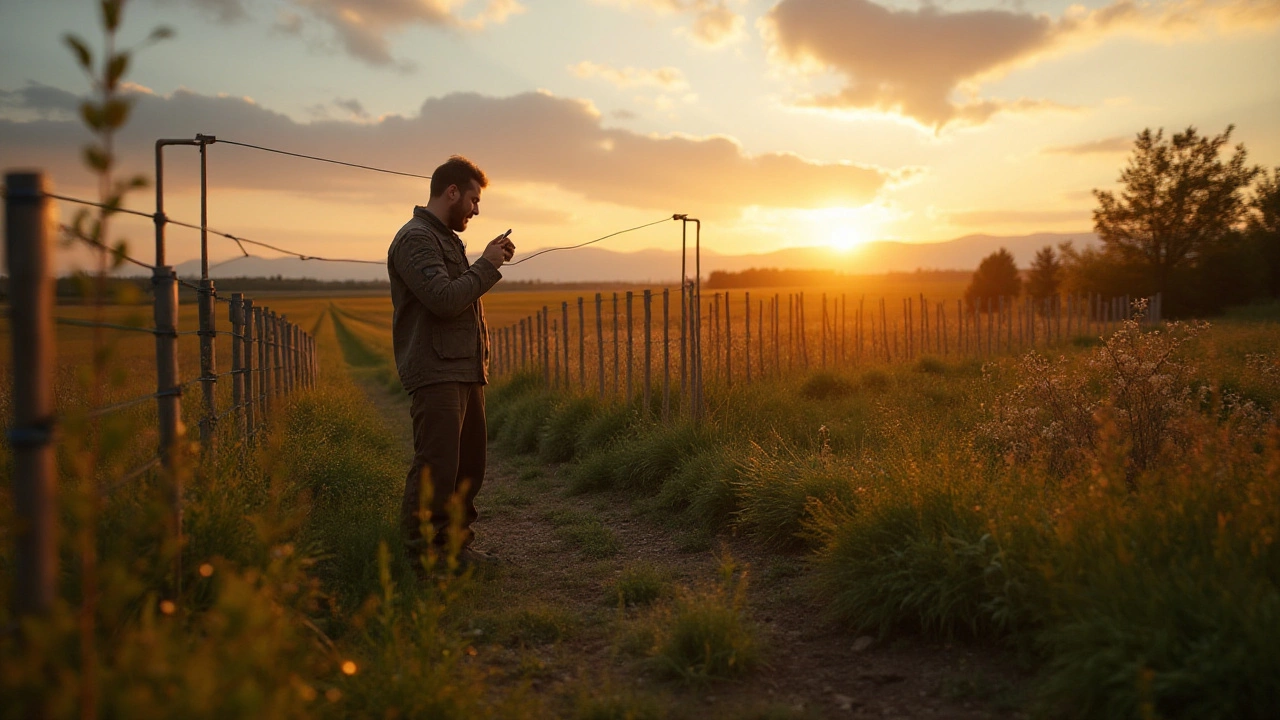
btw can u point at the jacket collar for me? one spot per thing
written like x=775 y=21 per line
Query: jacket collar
x=422 y=213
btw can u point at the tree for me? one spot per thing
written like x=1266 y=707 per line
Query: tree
x=997 y=277
x=1264 y=227
x=1046 y=274
x=1178 y=199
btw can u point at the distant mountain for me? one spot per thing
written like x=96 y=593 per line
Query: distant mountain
x=597 y=264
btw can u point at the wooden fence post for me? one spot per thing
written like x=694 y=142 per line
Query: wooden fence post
x=28 y=218
x=616 y=369
x=546 y=346
x=600 y=342
x=648 y=347
x=264 y=379
x=237 y=361
x=728 y=344
x=246 y=369
x=564 y=331
x=631 y=353
x=208 y=363
x=666 y=354
x=277 y=366
x=554 y=346
x=582 y=346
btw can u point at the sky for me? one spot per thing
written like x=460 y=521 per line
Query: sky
x=779 y=123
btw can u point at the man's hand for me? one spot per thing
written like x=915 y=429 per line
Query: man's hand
x=499 y=250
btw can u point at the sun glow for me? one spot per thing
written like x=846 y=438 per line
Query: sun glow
x=845 y=237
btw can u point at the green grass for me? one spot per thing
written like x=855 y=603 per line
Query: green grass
x=934 y=498
x=640 y=584
x=586 y=533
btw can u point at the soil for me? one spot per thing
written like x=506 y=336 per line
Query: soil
x=545 y=621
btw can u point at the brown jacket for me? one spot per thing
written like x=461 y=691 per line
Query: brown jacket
x=438 y=327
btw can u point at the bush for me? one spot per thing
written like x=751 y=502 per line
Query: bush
x=825 y=386
x=776 y=490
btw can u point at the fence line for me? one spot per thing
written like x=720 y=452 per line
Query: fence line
x=278 y=346
x=841 y=337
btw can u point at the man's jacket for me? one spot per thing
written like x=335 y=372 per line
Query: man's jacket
x=438 y=327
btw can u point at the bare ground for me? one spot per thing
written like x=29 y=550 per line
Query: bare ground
x=546 y=623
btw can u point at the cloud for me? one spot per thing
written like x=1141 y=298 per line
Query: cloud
x=928 y=63
x=714 y=24
x=362 y=27
x=1117 y=144
x=527 y=138
x=42 y=101
x=668 y=78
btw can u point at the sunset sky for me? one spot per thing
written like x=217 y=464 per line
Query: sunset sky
x=778 y=122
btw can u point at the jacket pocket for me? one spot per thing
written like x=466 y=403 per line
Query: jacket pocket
x=456 y=343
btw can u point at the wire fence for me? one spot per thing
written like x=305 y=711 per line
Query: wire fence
x=644 y=346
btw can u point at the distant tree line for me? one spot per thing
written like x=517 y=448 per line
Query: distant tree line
x=1202 y=230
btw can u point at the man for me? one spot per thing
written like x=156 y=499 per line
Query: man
x=442 y=355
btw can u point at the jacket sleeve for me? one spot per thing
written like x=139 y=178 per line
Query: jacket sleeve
x=420 y=264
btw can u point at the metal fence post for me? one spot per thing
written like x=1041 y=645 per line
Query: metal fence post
x=169 y=397
x=208 y=364
x=27 y=224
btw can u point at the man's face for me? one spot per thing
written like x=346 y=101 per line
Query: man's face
x=465 y=205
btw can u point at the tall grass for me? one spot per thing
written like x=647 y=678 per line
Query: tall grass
x=1113 y=511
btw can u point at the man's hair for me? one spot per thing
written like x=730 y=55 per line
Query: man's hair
x=459 y=171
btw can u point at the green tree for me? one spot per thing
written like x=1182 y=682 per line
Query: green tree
x=1046 y=274
x=997 y=277
x=1177 y=200
x=1264 y=227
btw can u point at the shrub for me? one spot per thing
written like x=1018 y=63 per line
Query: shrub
x=559 y=441
x=775 y=490
x=825 y=386
x=639 y=584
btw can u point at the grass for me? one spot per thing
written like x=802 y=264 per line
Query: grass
x=949 y=498
x=585 y=533
x=640 y=584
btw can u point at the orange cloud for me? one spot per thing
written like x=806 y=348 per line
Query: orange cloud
x=714 y=23
x=926 y=64
x=1117 y=144
x=362 y=26
x=527 y=138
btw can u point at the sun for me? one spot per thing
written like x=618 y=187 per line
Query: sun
x=845 y=237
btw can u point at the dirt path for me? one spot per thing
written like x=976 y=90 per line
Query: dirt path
x=549 y=620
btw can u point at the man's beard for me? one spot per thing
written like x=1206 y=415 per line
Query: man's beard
x=458 y=217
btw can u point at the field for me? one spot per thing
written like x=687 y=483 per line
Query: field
x=1089 y=532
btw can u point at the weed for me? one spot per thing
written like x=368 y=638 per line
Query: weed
x=526 y=626
x=930 y=365
x=559 y=441
x=585 y=532
x=775 y=489
x=705 y=635
x=639 y=584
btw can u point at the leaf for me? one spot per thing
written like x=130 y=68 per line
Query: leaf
x=119 y=252
x=116 y=69
x=115 y=113
x=83 y=56
x=97 y=158
x=111 y=14
x=91 y=113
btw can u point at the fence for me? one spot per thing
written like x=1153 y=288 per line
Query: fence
x=271 y=358
x=748 y=340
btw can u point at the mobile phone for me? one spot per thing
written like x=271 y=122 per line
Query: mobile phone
x=505 y=234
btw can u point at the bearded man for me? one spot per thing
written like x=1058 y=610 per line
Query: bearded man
x=442 y=355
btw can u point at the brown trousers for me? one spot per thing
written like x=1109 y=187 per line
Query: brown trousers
x=449 y=444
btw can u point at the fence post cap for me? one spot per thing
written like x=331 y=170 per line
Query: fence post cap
x=25 y=184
